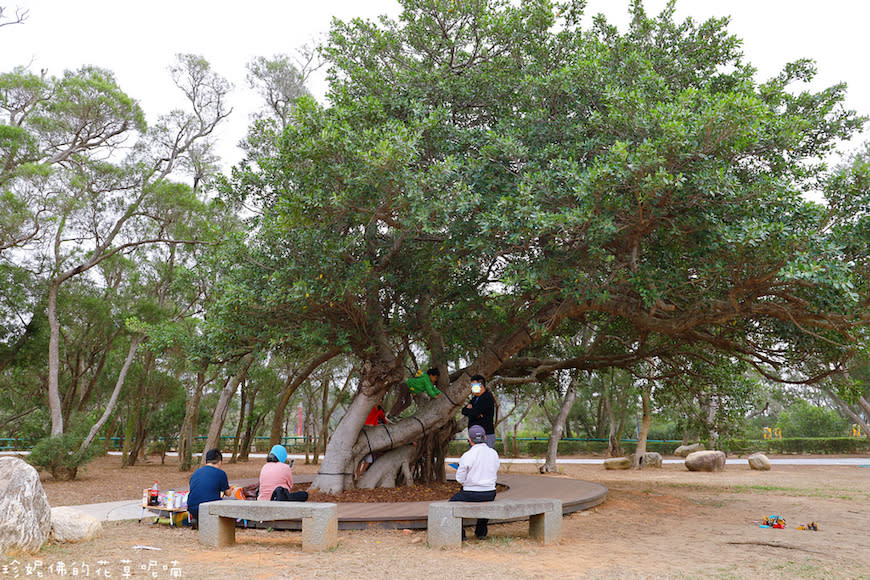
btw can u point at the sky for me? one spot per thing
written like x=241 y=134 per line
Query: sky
x=138 y=41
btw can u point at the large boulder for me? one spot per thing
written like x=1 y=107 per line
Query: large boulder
x=706 y=461
x=71 y=525
x=652 y=459
x=685 y=450
x=759 y=462
x=617 y=463
x=25 y=516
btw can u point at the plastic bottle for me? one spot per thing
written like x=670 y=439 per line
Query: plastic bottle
x=154 y=495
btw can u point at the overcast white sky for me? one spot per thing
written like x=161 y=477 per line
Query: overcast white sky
x=138 y=40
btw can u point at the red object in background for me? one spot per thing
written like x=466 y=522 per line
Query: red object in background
x=299 y=419
x=376 y=416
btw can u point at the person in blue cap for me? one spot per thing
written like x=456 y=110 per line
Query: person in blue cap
x=276 y=478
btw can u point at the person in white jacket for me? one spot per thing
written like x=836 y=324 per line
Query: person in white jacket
x=477 y=472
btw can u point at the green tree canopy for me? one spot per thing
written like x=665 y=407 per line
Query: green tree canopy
x=487 y=172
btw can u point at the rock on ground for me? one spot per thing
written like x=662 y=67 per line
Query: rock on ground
x=685 y=450
x=617 y=463
x=71 y=525
x=652 y=459
x=25 y=516
x=706 y=461
x=759 y=462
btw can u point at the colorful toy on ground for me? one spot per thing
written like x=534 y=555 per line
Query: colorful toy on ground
x=810 y=526
x=773 y=521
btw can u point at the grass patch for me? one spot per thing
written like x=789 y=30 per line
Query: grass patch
x=798 y=491
x=709 y=501
x=817 y=492
x=500 y=540
x=813 y=569
x=696 y=486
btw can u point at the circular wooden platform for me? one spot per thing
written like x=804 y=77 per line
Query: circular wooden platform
x=575 y=494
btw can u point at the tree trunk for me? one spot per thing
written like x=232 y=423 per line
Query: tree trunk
x=391 y=467
x=336 y=472
x=131 y=353
x=248 y=437
x=428 y=464
x=54 y=402
x=712 y=408
x=220 y=412
x=614 y=433
x=147 y=403
x=856 y=417
x=137 y=439
x=243 y=411
x=549 y=465
x=191 y=416
x=325 y=413
x=128 y=438
x=349 y=443
x=645 y=424
x=601 y=415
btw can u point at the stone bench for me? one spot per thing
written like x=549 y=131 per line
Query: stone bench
x=445 y=518
x=217 y=520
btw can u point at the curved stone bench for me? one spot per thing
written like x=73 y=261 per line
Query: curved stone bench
x=217 y=520
x=445 y=518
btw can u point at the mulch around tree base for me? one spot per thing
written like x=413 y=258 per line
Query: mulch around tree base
x=420 y=492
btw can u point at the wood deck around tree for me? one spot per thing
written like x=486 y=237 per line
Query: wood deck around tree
x=575 y=494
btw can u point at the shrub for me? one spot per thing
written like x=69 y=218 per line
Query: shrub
x=261 y=444
x=158 y=447
x=60 y=456
x=802 y=419
x=457 y=448
x=798 y=445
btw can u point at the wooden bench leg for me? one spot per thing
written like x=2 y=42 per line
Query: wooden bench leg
x=216 y=531
x=444 y=529
x=546 y=527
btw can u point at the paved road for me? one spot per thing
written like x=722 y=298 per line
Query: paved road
x=857 y=461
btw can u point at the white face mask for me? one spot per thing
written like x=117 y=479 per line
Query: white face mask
x=476 y=388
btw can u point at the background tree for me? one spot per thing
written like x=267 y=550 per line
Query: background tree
x=69 y=159
x=7 y=19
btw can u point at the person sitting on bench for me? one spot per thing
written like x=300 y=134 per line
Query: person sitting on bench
x=276 y=478
x=208 y=483
x=477 y=472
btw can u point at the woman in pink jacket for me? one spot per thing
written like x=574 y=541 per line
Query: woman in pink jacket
x=276 y=478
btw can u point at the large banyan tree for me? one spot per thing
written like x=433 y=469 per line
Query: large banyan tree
x=488 y=175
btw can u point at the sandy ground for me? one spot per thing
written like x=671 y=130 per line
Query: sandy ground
x=656 y=523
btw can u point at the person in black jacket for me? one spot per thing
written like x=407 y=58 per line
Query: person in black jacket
x=481 y=409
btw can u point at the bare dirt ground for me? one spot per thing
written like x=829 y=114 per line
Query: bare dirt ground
x=656 y=523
